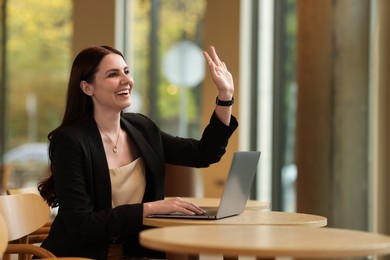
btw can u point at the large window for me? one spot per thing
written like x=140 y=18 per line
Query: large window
x=38 y=56
x=38 y=51
x=274 y=43
x=285 y=90
x=37 y=48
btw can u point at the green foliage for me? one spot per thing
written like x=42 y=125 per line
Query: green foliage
x=38 y=53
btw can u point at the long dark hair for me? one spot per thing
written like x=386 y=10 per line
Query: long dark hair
x=79 y=106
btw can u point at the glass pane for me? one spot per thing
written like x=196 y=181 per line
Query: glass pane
x=286 y=30
x=155 y=28
x=38 y=51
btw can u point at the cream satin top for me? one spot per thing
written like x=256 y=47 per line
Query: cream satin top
x=128 y=183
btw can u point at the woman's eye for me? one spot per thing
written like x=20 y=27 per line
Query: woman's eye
x=112 y=75
x=127 y=72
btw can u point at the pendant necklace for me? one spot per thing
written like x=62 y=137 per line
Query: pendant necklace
x=115 y=149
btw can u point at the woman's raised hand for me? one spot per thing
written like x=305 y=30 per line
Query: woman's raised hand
x=221 y=76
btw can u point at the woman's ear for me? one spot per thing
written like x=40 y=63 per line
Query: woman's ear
x=86 y=88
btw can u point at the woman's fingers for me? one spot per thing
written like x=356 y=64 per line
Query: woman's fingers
x=214 y=56
x=186 y=207
x=171 y=205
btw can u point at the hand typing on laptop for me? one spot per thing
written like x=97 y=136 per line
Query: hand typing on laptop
x=235 y=193
x=172 y=205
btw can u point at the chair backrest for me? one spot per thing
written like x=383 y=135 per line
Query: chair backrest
x=23 y=214
x=3 y=235
x=22 y=190
x=34 y=190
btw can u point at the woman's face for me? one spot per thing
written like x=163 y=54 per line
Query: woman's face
x=112 y=86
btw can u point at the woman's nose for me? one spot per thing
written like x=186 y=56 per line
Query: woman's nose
x=126 y=79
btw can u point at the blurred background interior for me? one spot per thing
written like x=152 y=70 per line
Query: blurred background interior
x=310 y=81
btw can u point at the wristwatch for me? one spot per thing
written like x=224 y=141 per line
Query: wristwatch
x=224 y=103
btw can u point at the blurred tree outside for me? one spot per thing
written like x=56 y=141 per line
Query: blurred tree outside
x=38 y=41
x=38 y=51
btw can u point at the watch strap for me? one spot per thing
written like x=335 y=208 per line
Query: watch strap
x=227 y=103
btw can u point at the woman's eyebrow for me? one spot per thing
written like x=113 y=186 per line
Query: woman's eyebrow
x=112 y=70
x=116 y=70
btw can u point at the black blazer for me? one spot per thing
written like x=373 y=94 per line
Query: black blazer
x=86 y=220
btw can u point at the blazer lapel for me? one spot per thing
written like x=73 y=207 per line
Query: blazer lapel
x=100 y=171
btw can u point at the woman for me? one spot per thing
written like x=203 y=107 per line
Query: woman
x=107 y=167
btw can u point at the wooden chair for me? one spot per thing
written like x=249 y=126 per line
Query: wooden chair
x=40 y=234
x=3 y=235
x=24 y=214
x=183 y=181
x=23 y=190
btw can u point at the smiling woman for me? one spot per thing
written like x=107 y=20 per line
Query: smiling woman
x=111 y=87
x=108 y=166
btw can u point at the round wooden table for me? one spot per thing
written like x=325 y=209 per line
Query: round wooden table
x=265 y=241
x=248 y=217
x=214 y=203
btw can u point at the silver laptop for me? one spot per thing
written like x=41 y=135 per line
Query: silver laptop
x=236 y=191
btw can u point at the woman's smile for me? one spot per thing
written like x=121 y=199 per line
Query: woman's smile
x=123 y=92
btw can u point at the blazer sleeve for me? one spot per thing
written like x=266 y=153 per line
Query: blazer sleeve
x=199 y=153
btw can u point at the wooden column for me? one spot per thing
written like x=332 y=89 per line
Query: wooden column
x=221 y=29
x=332 y=116
x=94 y=23
x=382 y=72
